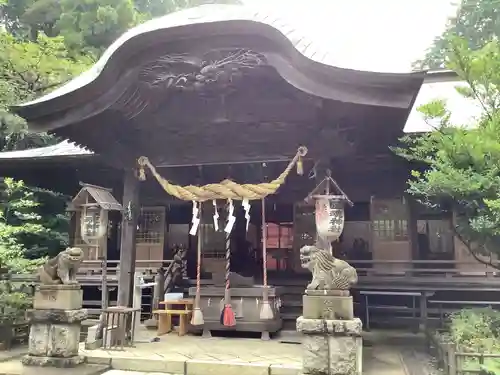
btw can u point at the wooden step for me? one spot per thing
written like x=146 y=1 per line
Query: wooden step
x=291 y=303
x=289 y=316
x=289 y=324
x=291 y=290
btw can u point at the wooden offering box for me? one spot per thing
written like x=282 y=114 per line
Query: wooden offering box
x=246 y=303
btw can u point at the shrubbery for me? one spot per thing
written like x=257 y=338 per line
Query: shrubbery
x=477 y=331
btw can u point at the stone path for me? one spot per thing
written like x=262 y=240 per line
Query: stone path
x=190 y=355
x=7 y=355
x=229 y=356
x=418 y=362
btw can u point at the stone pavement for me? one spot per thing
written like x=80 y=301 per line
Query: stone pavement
x=191 y=355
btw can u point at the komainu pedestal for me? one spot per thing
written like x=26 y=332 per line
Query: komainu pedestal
x=332 y=340
x=55 y=321
x=331 y=347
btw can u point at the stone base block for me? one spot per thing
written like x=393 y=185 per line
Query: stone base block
x=327 y=307
x=54 y=340
x=83 y=369
x=331 y=347
x=33 y=361
x=328 y=292
x=332 y=355
x=353 y=327
x=111 y=333
x=58 y=297
x=55 y=316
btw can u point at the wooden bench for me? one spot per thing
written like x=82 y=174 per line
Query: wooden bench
x=413 y=294
x=165 y=316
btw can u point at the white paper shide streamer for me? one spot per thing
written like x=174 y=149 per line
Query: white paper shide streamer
x=216 y=216
x=230 y=217
x=246 y=206
x=195 y=220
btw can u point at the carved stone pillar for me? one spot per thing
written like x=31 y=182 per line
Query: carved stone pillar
x=55 y=320
x=332 y=345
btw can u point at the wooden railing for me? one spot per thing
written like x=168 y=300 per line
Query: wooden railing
x=417 y=268
x=91 y=272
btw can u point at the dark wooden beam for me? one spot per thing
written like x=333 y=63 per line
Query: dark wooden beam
x=128 y=235
x=412 y=226
x=72 y=229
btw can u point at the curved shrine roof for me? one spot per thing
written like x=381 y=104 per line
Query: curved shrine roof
x=312 y=69
x=294 y=95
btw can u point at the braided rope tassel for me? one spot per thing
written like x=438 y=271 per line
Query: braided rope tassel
x=197 y=319
x=266 y=311
x=227 y=317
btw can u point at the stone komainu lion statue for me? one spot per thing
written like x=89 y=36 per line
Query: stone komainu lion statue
x=62 y=268
x=329 y=273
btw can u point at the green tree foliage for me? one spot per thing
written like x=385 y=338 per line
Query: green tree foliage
x=48 y=42
x=476 y=21
x=21 y=224
x=94 y=24
x=462 y=161
x=51 y=209
x=27 y=70
x=44 y=43
x=148 y=9
x=18 y=220
x=88 y=26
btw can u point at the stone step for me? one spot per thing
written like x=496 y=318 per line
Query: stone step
x=141 y=366
x=14 y=367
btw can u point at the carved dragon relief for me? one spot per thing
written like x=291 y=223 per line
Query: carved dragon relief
x=185 y=73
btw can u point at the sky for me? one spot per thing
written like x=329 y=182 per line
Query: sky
x=376 y=35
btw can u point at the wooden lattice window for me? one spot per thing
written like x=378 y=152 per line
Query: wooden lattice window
x=279 y=235
x=150 y=226
x=391 y=230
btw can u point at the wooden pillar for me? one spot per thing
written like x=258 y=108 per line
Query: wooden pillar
x=412 y=210
x=73 y=222
x=131 y=206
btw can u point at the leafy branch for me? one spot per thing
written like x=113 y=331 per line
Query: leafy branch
x=457 y=165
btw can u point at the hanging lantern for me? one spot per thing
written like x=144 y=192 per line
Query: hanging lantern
x=329 y=209
x=329 y=216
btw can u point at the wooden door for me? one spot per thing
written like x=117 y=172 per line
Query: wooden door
x=150 y=237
